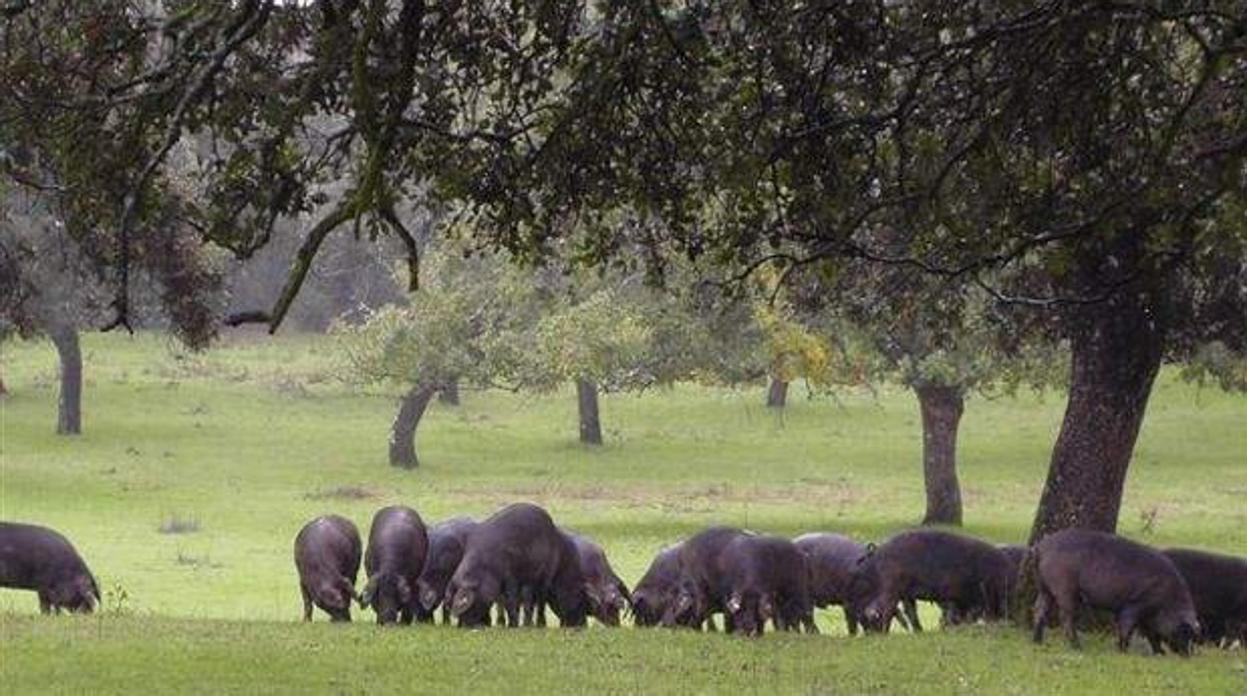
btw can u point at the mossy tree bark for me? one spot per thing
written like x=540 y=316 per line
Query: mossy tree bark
x=941 y=408
x=403 y=433
x=590 y=417
x=777 y=394
x=69 y=402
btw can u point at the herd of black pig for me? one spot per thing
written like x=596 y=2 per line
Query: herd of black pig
x=517 y=563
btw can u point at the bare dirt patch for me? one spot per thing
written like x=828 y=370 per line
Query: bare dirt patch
x=342 y=493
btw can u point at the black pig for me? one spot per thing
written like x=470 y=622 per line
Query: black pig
x=1218 y=586
x=446 y=544
x=40 y=559
x=656 y=588
x=608 y=595
x=956 y=572
x=765 y=578
x=833 y=560
x=518 y=556
x=1103 y=571
x=326 y=555
x=397 y=546
x=701 y=585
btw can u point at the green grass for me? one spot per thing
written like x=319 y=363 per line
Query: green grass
x=255 y=437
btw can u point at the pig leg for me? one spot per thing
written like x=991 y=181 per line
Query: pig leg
x=307 y=605
x=850 y=621
x=1067 y=605
x=948 y=615
x=808 y=619
x=509 y=602
x=529 y=608
x=1127 y=620
x=900 y=619
x=445 y=614
x=1154 y=641
x=1043 y=607
x=911 y=611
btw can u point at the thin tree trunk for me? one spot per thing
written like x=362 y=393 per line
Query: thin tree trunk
x=941 y=408
x=449 y=393
x=403 y=432
x=69 y=405
x=1116 y=355
x=777 y=394
x=590 y=419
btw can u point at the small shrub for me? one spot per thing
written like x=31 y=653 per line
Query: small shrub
x=195 y=562
x=342 y=493
x=176 y=524
x=116 y=599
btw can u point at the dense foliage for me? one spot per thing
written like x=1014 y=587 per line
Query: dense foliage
x=1082 y=160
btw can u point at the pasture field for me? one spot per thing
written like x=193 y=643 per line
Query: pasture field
x=237 y=447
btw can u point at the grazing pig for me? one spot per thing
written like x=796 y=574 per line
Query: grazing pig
x=37 y=558
x=956 y=572
x=518 y=556
x=701 y=586
x=326 y=554
x=833 y=560
x=1015 y=554
x=654 y=592
x=446 y=544
x=765 y=578
x=1218 y=586
x=1103 y=571
x=397 y=546
x=608 y=595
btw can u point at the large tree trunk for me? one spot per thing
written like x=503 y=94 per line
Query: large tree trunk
x=941 y=408
x=449 y=393
x=69 y=406
x=777 y=394
x=1117 y=349
x=403 y=432
x=590 y=420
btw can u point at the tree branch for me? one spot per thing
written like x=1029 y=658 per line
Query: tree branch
x=303 y=262
x=249 y=22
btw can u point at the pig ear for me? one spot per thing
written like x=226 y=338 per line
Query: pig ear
x=870 y=551
x=616 y=600
x=428 y=596
x=733 y=602
x=683 y=602
x=86 y=590
x=404 y=590
x=348 y=591
x=766 y=608
x=595 y=598
x=623 y=590
x=365 y=597
x=462 y=602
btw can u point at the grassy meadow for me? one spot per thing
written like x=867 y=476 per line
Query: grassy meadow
x=234 y=449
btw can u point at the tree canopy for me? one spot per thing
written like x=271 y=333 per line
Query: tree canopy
x=1084 y=160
